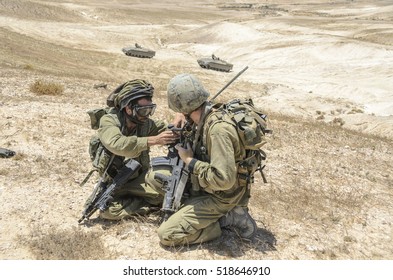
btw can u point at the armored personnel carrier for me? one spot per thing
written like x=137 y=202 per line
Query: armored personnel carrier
x=138 y=51
x=215 y=63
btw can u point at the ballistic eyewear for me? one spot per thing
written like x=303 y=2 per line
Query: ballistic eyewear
x=145 y=111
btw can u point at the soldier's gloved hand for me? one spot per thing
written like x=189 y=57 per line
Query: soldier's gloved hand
x=186 y=154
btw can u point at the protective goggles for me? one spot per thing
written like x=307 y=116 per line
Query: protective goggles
x=145 y=111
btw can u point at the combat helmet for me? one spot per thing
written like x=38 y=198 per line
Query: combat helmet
x=186 y=93
x=131 y=90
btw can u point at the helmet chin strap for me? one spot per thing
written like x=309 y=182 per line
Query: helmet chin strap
x=206 y=108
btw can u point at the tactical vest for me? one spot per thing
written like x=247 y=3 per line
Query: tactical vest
x=105 y=162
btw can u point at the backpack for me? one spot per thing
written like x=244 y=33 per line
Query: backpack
x=251 y=123
x=99 y=155
x=251 y=126
x=103 y=161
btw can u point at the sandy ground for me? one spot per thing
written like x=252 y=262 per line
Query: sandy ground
x=317 y=62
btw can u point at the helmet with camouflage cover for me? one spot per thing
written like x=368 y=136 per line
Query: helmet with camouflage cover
x=132 y=90
x=186 y=93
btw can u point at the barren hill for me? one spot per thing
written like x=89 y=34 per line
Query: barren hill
x=321 y=71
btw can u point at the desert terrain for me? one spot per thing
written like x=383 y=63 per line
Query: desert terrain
x=321 y=70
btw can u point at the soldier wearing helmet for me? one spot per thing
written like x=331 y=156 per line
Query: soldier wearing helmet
x=128 y=132
x=217 y=198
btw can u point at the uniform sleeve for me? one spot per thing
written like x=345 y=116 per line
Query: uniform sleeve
x=119 y=144
x=220 y=174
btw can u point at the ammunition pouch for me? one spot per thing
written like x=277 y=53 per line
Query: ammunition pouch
x=103 y=160
x=248 y=166
x=95 y=116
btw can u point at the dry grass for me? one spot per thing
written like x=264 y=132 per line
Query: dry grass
x=73 y=244
x=323 y=181
x=49 y=58
x=41 y=87
x=323 y=175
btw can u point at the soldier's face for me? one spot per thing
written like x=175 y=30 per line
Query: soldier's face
x=194 y=116
x=143 y=109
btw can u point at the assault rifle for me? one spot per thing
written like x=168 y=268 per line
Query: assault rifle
x=102 y=193
x=174 y=184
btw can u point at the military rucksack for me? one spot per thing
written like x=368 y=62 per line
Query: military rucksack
x=251 y=126
x=250 y=122
x=99 y=155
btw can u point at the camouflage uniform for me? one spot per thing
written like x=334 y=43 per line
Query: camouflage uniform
x=135 y=197
x=216 y=189
x=216 y=174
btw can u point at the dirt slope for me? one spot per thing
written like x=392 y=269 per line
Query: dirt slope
x=321 y=71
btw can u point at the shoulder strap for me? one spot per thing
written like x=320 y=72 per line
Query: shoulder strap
x=218 y=115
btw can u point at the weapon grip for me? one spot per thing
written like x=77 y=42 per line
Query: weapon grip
x=161 y=178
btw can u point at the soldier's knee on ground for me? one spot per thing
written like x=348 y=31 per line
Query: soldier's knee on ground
x=113 y=212
x=163 y=235
x=182 y=233
x=175 y=232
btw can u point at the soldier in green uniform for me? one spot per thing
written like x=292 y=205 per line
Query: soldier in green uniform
x=128 y=132
x=218 y=198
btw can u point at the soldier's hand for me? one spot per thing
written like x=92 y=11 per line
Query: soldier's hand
x=164 y=138
x=179 y=120
x=186 y=154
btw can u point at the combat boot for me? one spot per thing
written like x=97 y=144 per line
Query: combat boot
x=240 y=219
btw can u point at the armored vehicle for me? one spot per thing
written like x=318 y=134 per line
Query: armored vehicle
x=215 y=63
x=138 y=51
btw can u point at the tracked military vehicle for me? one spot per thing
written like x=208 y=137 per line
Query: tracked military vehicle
x=138 y=51
x=215 y=63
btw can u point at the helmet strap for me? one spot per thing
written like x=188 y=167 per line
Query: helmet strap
x=206 y=108
x=134 y=118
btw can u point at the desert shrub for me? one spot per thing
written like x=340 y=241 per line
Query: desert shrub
x=28 y=67
x=41 y=87
x=338 y=121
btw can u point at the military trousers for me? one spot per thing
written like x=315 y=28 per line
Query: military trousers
x=134 y=198
x=197 y=219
